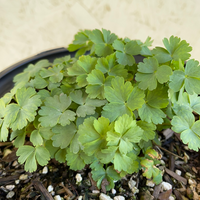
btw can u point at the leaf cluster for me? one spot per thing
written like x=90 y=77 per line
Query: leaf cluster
x=103 y=109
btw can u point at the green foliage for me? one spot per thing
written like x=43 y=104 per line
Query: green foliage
x=104 y=109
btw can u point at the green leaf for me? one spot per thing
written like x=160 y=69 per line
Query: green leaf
x=125 y=133
x=78 y=161
x=151 y=171
x=103 y=41
x=60 y=155
x=184 y=123
x=38 y=82
x=19 y=136
x=190 y=79
x=148 y=130
x=30 y=71
x=149 y=73
x=30 y=155
x=56 y=111
x=81 y=43
x=151 y=109
x=109 y=174
x=96 y=84
x=42 y=155
x=125 y=163
x=82 y=68
x=195 y=103
x=111 y=67
x=92 y=134
x=55 y=73
x=64 y=135
x=18 y=114
x=175 y=49
x=3 y=125
x=46 y=132
x=123 y=97
x=36 y=138
x=87 y=105
x=125 y=52
x=150 y=114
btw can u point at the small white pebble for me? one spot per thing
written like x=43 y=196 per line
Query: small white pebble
x=178 y=172
x=10 y=187
x=78 y=178
x=150 y=183
x=17 y=182
x=80 y=197
x=52 y=193
x=119 y=198
x=50 y=188
x=57 y=197
x=95 y=191
x=171 y=198
x=10 y=195
x=166 y=186
x=113 y=191
x=45 y=170
x=23 y=177
x=104 y=197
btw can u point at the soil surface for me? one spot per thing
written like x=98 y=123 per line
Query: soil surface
x=180 y=166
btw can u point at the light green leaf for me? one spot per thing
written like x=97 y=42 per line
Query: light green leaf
x=195 y=103
x=19 y=136
x=125 y=163
x=64 y=135
x=36 y=138
x=87 y=105
x=56 y=111
x=38 y=82
x=123 y=97
x=42 y=155
x=18 y=114
x=96 y=84
x=150 y=114
x=103 y=41
x=126 y=51
x=30 y=155
x=82 y=68
x=92 y=134
x=149 y=73
x=190 y=78
x=111 y=67
x=175 y=49
x=184 y=123
x=148 y=130
x=78 y=161
x=30 y=71
x=125 y=133
x=55 y=73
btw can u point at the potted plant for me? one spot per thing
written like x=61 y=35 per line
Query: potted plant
x=103 y=109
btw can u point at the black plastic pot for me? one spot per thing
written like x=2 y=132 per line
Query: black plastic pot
x=6 y=76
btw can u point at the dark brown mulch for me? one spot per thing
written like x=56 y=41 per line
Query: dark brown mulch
x=34 y=185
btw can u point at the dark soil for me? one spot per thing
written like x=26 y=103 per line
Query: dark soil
x=35 y=185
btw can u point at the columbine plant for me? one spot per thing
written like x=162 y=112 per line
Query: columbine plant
x=102 y=108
